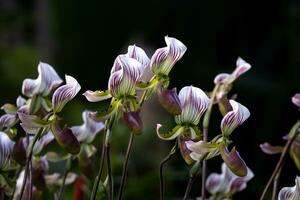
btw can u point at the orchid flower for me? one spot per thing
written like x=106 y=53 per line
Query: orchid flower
x=88 y=130
x=290 y=193
x=47 y=81
x=6 y=147
x=193 y=102
x=227 y=184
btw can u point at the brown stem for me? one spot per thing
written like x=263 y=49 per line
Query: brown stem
x=275 y=185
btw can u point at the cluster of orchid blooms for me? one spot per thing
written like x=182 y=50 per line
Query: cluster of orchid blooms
x=33 y=133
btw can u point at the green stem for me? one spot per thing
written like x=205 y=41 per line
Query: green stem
x=161 y=165
x=125 y=166
x=67 y=169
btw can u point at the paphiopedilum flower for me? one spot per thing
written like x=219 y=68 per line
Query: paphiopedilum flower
x=165 y=58
x=226 y=184
x=6 y=147
x=88 y=130
x=46 y=82
x=290 y=193
x=225 y=80
x=296 y=99
x=234 y=118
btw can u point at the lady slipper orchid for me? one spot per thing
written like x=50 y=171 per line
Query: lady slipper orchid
x=46 y=82
x=290 y=193
x=234 y=118
x=165 y=58
x=226 y=184
x=88 y=130
x=6 y=147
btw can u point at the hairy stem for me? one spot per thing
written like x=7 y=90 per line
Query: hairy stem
x=161 y=165
x=28 y=161
x=125 y=166
x=67 y=169
x=292 y=136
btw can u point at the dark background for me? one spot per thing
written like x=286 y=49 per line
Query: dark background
x=82 y=38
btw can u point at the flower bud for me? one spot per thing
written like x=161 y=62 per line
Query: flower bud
x=65 y=138
x=133 y=121
x=169 y=100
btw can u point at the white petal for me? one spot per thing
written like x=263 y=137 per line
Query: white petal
x=65 y=93
x=290 y=193
x=138 y=54
x=6 y=146
x=234 y=118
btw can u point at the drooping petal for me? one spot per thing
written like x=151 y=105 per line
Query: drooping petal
x=213 y=183
x=296 y=99
x=125 y=74
x=88 y=130
x=201 y=147
x=170 y=135
x=165 y=58
x=65 y=93
x=7 y=121
x=32 y=123
x=47 y=80
x=270 y=149
x=194 y=102
x=138 y=54
x=234 y=161
x=6 y=147
x=290 y=193
x=95 y=96
x=169 y=100
x=234 y=118
x=42 y=142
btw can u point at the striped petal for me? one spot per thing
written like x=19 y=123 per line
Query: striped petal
x=7 y=121
x=6 y=147
x=290 y=193
x=65 y=93
x=125 y=74
x=138 y=54
x=165 y=58
x=95 y=96
x=296 y=99
x=47 y=80
x=32 y=123
x=194 y=103
x=88 y=130
x=234 y=118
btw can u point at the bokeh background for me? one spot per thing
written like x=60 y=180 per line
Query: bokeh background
x=82 y=38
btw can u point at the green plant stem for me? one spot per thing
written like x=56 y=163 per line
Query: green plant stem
x=192 y=175
x=108 y=126
x=28 y=161
x=161 y=165
x=292 y=136
x=67 y=169
x=125 y=166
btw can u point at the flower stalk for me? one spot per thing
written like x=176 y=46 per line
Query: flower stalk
x=67 y=169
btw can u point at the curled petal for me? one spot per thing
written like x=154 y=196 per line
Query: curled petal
x=133 y=121
x=165 y=58
x=47 y=80
x=7 y=121
x=234 y=118
x=169 y=100
x=95 y=96
x=194 y=102
x=138 y=54
x=6 y=147
x=290 y=193
x=296 y=99
x=88 y=130
x=221 y=78
x=234 y=161
x=65 y=93
x=241 y=67
x=125 y=74
x=269 y=149
x=170 y=135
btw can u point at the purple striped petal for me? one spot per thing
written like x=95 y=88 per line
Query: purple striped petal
x=234 y=118
x=296 y=99
x=88 y=130
x=47 y=80
x=270 y=149
x=290 y=193
x=194 y=102
x=165 y=58
x=95 y=96
x=125 y=74
x=7 y=121
x=138 y=54
x=6 y=147
x=32 y=123
x=65 y=93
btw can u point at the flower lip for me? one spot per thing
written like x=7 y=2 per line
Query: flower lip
x=46 y=81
